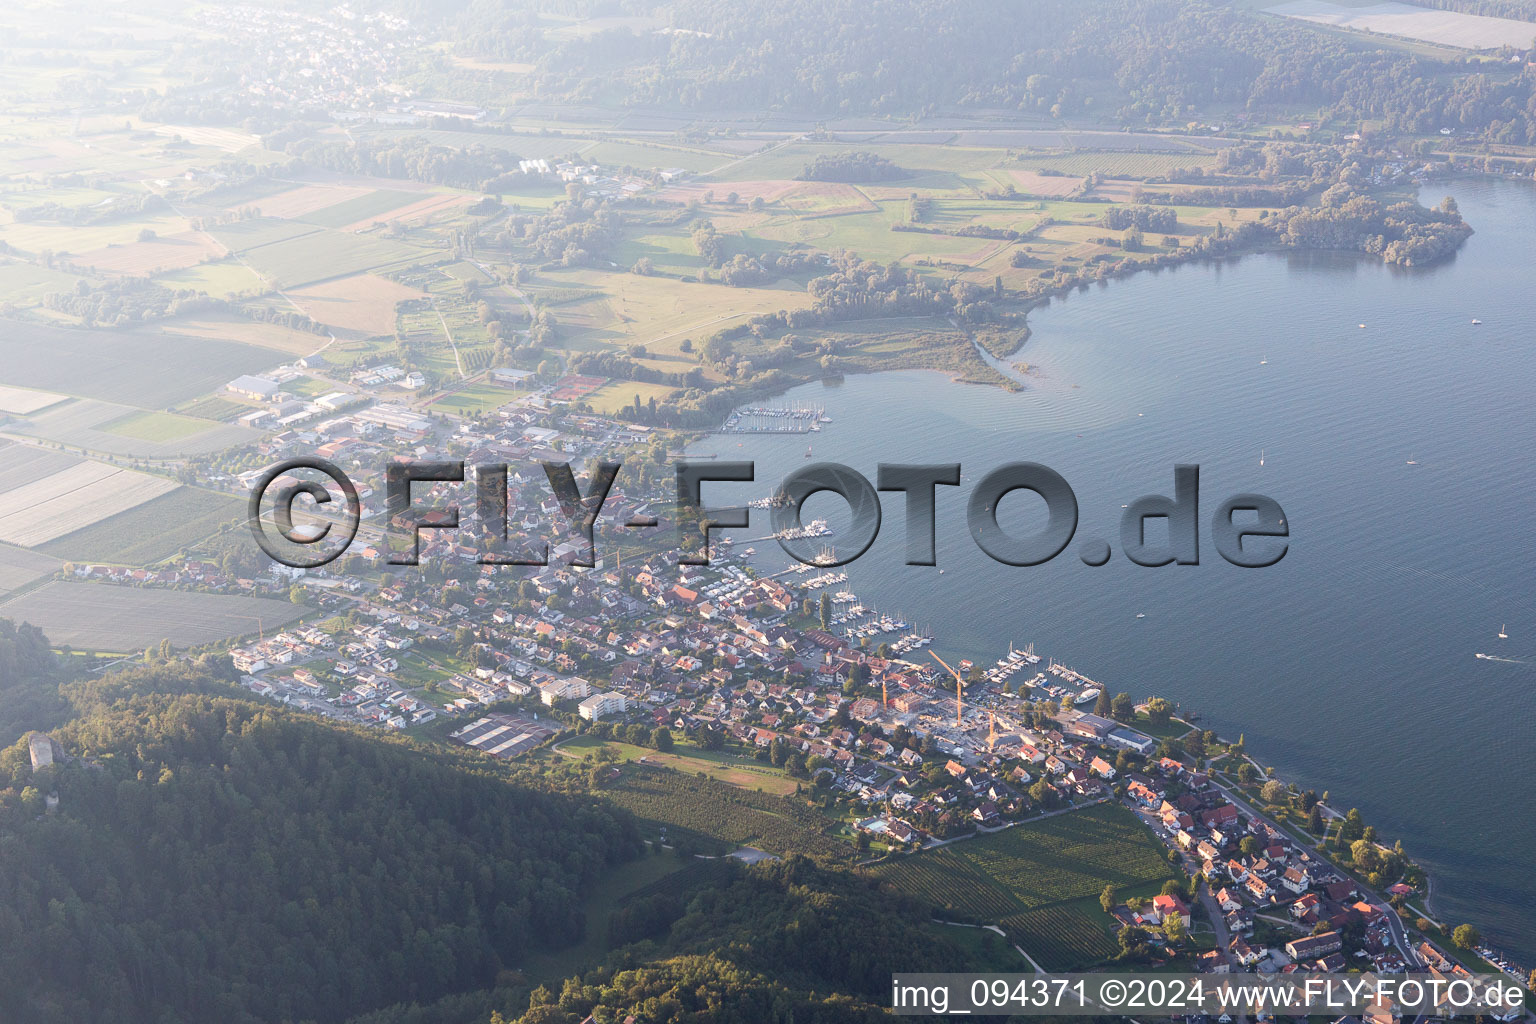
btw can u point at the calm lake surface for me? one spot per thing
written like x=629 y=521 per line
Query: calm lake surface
x=1402 y=454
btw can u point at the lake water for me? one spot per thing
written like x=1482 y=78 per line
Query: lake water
x=1349 y=665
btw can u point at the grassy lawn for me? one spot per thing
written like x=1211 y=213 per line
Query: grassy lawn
x=618 y=394
x=1171 y=731
x=422 y=668
x=743 y=773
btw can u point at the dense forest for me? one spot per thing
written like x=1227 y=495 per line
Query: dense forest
x=211 y=858
x=29 y=692
x=779 y=942
x=1142 y=61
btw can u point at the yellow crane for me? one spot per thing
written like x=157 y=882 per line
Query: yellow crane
x=959 y=684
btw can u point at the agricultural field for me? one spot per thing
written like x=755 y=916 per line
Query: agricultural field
x=21 y=402
x=415 y=211
x=19 y=567
x=104 y=617
x=153 y=531
x=20 y=464
x=659 y=312
x=324 y=254
x=123 y=430
x=25 y=284
x=34 y=237
x=1115 y=165
x=245 y=235
x=71 y=499
x=363 y=303
x=221 y=279
x=1050 y=186
x=277 y=337
x=297 y=203
x=643 y=156
x=362 y=209
x=1040 y=881
x=125 y=366
x=704 y=808
x=211 y=408
x=1443 y=28
x=155 y=255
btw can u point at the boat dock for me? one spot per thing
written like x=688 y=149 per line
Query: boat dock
x=763 y=419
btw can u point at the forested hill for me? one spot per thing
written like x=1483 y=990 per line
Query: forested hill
x=29 y=695
x=212 y=859
x=781 y=942
x=1140 y=61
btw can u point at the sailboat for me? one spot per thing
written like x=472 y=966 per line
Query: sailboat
x=1503 y=635
x=807 y=451
x=1261 y=456
x=1264 y=361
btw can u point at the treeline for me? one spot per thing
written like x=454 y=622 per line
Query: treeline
x=1144 y=218
x=216 y=859
x=119 y=208
x=746 y=270
x=573 y=233
x=124 y=300
x=966 y=231
x=121 y=301
x=858 y=165
x=410 y=157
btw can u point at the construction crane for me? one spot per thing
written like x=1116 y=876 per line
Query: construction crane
x=959 y=684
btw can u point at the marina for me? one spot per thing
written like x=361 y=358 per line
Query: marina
x=779 y=419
